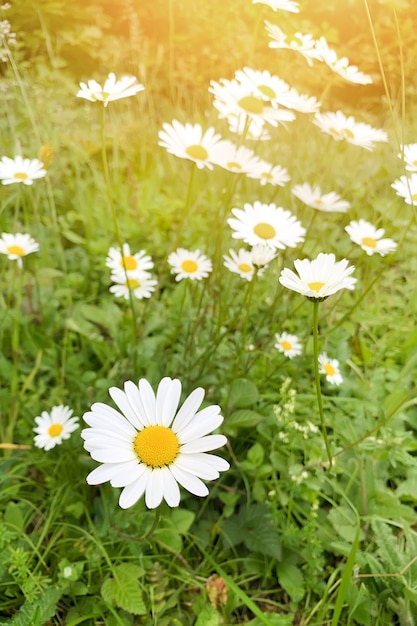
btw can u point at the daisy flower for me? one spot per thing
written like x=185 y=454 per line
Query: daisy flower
x=188 y=141
x=266 y=224
x=340 y=66
x=140 y=284
x=17 y=246
x=241 y=263
x=189 y=264
x=150 y=447
x=343 y=128
x=330 y=367
x=20 y=170
x=264 y=85
x=314 y=198
x=300 y=102
x=409 y=155
x=369 y=238
x=262 y=254
x=288 y=344
x=267 y=173
x=121 y=261
x=280 y=5
x=303 y=44
x=406 y=187
x=52 y=428
x=238 y=159
x=319 y=278
x=112 y=89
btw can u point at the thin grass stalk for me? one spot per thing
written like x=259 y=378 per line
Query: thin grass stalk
x=317 y=379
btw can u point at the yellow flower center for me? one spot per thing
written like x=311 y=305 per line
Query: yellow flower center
x=267 y=175
x=232 y=165
x=156 y=446
x=315 y=286
x=20 y=176
x=128 y=262
x=369 y=241
x=250 y=104
x=318 y=201
x=343 y=133
x=329 y=369
x=133 y=283
x=189 y=266
x=244 y=267
x=264 y=230
x=197 y=152
x=286 y=345
x=16 y=250
x=267 y=91
x=54 y=430
x=414 y=197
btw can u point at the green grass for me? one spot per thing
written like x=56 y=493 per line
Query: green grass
x=286 y=539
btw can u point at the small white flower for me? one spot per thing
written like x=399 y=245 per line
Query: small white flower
x=314 y=198
x=52 y=428
x=269 y=174
x=17 y=246
x=262 y=254
x=112 y=89
x=340 y=66
x=188 y=141
x=280 y=5
x=409 y=155
x=300 y=102
x=237 y=159
x=288 y=344
x=240 y=263
x=123 y=260
x=406 y=187
x=140 y=284
x=263 y=85
x=319 y=278
x=266 y=224
x=20 y=170
x=330 y=367
x=189 y=264
x=370 y=238
x=303 y=44
x=150 y=447
x=343 y=128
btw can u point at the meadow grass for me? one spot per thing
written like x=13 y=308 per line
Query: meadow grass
x=314 y=522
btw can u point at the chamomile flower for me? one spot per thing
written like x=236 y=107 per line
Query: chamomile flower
x=340 y=66
x=189 y=264
x=188 y=141
x=370 y=238
x=262 y=254
x=52 y=428
x=406 y=187
x=343 y=128
x=319 y=278
x=269 y=174
x=240 y=263
x=112 y=89
x=150 y=447
x=280 y=5
x=330 y=368
x=237 y=159
x=124 y=262
x=409 y=155
x=20 y=170
x=303 y=44
x=300 y=102
x=266 y=224
x=17 y=246
x=314 y=198
x=141 y=284
x=288 y=344
x=263 y=85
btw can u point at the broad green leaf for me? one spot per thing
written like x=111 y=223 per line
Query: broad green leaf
x=124 y=590
x=243 y=418
x=208 y=616
x=182 y=520
x=244 y=393
x=291 y=579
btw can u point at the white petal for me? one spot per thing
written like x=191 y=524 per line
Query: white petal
x=154 y=489
x=112 y=455
x=135 y=400
x=204 y=422
x=131 y=494
x=188 y=409
x=121 y=399
x=128 y=473
x=190 y=482
x=204 y=444
x=148 y=400
x=102 y=473
x=167 y=399
x=172 y=494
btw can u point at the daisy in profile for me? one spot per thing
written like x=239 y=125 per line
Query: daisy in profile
x=149 y=447
x=237 y=159
x=340 y=66
x=123 y=261
x=314 y=198
x=343 y=128
x=240 y=263
x=300 y=102
x=140 y=284
x=303 y=44
x=52 y=428
x=288 y=344
x=188 y=141
x=20 y=170
x=112 y=89
x=262 y=254
x=370 y=238
x=330 y=368
x=406 y=187
x=17 y=246
x=409 y=155
x=266 y=224
x=263 y=84
x=269 y=174
x=319 y=278
x=189 y=264
x=280 y=5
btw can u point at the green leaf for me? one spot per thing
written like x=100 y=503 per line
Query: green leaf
x=291 y=579
x=13 y=516
x=243 y=393
x=124 y=590
x=38 y=612
x=254 y=527
x=243 y=418
x=182 y=520
x=208 y=616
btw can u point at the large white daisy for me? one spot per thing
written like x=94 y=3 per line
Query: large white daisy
x=52 y=428
x=188 y=141
x=319 y=278
x=340 y=66
x=370 y=238
x=266 y=224
x=343 y=128
x=17 y=246
x=303 y=44
x=112 y=89
x=150 y=447
x=124 y=262
x=330 y=368
x=189 y=264
x=288 y=344
x=20 y=170
x=406 y=187
x=314 y=198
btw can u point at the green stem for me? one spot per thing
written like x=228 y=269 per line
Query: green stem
x=14 y=407
x=154 y=526
x=317 y=379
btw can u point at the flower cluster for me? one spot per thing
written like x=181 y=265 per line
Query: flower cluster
x=129 y=273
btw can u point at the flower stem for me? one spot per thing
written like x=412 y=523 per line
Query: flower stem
x=317 y=379
x=154 y=526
